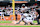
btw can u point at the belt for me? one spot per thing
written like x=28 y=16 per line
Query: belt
x=30 y=19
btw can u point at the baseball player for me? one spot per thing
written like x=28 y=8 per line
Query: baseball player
x=27 y=18
x=24 y=15
x=2 y=15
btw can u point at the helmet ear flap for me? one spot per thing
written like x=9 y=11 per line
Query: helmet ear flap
x=29 y=16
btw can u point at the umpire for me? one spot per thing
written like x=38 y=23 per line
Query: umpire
x=38 y=18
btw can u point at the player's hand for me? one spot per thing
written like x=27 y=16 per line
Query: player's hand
x=39 y=19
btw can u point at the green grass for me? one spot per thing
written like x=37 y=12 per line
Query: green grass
x=34 y=21
x=11 y=21
x=5 y=21
x=19 y=26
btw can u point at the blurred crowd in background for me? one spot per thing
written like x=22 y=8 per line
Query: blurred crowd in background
x=5 y=11
x=8 y=10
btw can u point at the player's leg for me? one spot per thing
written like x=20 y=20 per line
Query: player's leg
x=3 y=17
x=19 y=22
x=22 y=19
x=25 y=21
x=31 y=22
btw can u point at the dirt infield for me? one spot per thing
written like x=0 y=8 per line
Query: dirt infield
x=11 y=24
